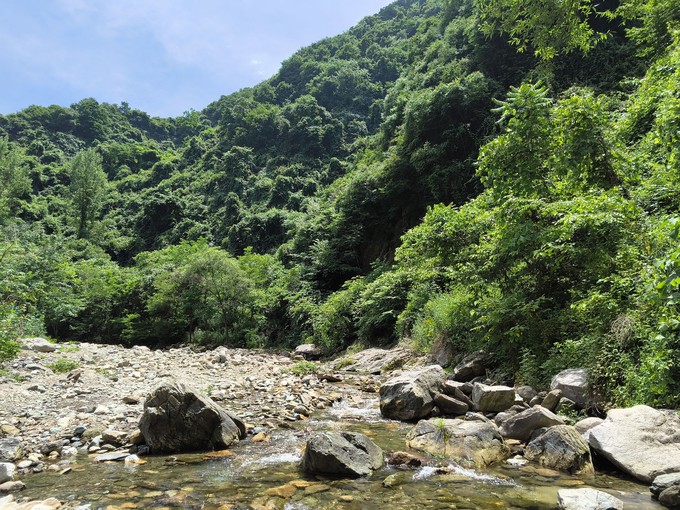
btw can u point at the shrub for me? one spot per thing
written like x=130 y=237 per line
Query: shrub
x=63 y=365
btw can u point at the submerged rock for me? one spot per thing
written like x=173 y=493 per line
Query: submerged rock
x=177 y=419
x=469 y=442
x=641 y=441
x=561 y=447
x=587 y=499
x=410 y=395
x=346 y=453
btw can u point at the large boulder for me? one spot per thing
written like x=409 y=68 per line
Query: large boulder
x=523 y=424
x=38 y=344
x=670 y=497
x=585 y=425
x=473 y=365
x=11 y=449
x=346 y=453
x=587 y=499
x=574 y=385
x=375 y=361
x=308 y=351
x=492 y=399
x=410 y=395
x=177 y=419
x=641 y=441
x=561 y=447
x=471 y=442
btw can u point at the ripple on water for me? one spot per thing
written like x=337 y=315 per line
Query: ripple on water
x=426 y=472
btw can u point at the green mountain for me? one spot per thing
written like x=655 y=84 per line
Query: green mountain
x=459 y=173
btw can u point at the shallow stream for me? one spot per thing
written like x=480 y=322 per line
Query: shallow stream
x=266 y=475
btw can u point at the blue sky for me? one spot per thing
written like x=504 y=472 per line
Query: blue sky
x=161 y=56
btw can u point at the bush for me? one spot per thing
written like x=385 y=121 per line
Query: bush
x=304 y=368
x=63 y=365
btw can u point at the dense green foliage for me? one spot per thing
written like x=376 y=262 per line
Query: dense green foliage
x=416 y=177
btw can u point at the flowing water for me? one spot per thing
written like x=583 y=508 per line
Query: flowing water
x=266 y=475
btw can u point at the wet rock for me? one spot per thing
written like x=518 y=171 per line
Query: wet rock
x=410 y=395
x=587 y=499
x=308 y=351
x=346 y=453
x=38 y=344
x=552 y=399
x=492 y=398
x=523 y=424
x=11 y=449
x=176 y=419
x=574 y=385
x=7 y=471
x=641 y=441
x=477 y=443
x=473 y=365
x=663 y=482
x=404 y=459
x=561 y=447
x=450 y=405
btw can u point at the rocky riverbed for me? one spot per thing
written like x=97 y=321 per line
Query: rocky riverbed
x=67 y=410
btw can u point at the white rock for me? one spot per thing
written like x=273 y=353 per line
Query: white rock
x=7 y=471
x=587 y=499
x=38 y=345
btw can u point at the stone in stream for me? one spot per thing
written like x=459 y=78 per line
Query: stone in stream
x=410 y=395
x=178 y=419
x=574 y=385
x=11 y=449
x=641 y=441
x=587 y=499
x=12 y=487
x=670 y=497
x=561 y=447
x=523 y=424
x=346 y=453
x=477 y=443
x=492 y=398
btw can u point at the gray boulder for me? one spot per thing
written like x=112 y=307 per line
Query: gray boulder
x=663 y=482
x=641 y=441
x=11 y=449
x=473 y=365
x=587 y=499
x=450 y=405
x=375 y=361
x=308 y=351
x=346 y=453
x=492 y=398
x=574 y=385
x=7 y=471
x=177 y=419
x=38 y=344
x=475 y=443
x=526 y=392
x=552 y=399
x=561 y=447
x=410 y=395
x=522 y=425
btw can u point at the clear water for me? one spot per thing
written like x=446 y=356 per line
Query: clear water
x=243 y=478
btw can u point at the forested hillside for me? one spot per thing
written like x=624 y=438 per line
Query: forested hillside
x=460 y=173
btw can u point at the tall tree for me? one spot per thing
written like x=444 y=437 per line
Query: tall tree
x=13 y=178
x=88 y=189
